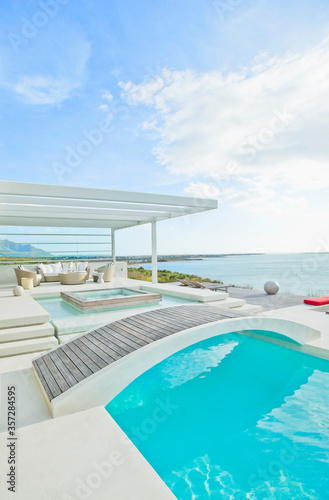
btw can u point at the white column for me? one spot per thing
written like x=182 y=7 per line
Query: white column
x=113 y=245
x=154 y=253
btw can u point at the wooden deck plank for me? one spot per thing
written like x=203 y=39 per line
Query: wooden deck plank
x=176 y=312
x=66 y=379
x=103 y=345
x=153 y=327
x=92 y=344
x=113 y=335
x=111 y=345
x=168 y=325
x=122 y=326
x=140 y=328
x=76 y=360
x=42 y=380
x=194 y=316
x=78 y=352
x=179 y=323
x=97 y=360
x=77 y=374
x=111 y=332
x=119 y=333
x=51 y=382
x=145 y=338
x=198 y=311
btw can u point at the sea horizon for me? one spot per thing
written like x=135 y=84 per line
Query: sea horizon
x=302 y=273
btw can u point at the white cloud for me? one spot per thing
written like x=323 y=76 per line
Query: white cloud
x=104 y=107
x=265 y=125
x=202 y=190
x=107 y=96
x=43 y=90
x=63 y=68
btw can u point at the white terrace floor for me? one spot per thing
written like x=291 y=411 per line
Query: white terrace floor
x=85 y=454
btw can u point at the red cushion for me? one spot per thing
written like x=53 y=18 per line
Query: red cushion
x=317 y=301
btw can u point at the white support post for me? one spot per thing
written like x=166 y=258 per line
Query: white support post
x=113 y=245
x=154 y=253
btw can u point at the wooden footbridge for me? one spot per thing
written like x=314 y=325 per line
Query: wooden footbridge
x=71 y=363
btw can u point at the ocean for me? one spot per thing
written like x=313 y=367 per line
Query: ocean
x=301 y=274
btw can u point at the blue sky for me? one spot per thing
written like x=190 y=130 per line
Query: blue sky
x=226 y=99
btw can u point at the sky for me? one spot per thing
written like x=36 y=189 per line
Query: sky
x=225 y=99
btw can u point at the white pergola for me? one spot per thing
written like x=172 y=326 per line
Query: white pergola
x=46 y=205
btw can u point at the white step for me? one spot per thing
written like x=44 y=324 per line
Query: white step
x=186 y=292
x=26 y=332
x=21 y=311
x=230 y=303
x=251 y=309
x=24 y=346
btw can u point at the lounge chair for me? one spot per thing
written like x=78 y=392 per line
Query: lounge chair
x=210 y=286
x=184 y=282
x=107 y=271
x=24 y=273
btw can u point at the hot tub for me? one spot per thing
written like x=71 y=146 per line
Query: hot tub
x=112 y=298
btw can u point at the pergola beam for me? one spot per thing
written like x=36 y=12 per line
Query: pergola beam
x=83 y=213
x=31 y=200
x=44 y=205
x=85 y=193
x=51 y=222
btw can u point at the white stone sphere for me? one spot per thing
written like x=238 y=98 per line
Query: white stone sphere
x=18 y=290
x=271 y=287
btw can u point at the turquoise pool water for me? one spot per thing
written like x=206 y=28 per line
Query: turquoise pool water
x=234 y=418
x=58 y=308
x=105 y=294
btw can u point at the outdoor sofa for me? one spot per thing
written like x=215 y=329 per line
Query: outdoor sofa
x=51 y=272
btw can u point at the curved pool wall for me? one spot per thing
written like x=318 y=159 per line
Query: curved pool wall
x=101 y=387
x=232 y=417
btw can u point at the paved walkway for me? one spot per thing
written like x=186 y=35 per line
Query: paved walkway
x=268 y=302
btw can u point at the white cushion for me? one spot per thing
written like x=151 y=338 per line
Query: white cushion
x=50 y=274
x=65 y=266
x=49 y=268
x=39 y=276
x=57 y=268
x=82 y=266
x=42 y=268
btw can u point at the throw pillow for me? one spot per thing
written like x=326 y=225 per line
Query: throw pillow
x=57 y=268
x=82 y=266
x=65 y=266
x=42 y=268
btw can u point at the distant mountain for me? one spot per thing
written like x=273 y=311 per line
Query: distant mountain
x=11 y=249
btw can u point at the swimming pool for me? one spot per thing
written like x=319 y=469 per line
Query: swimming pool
x=59 y=309
x=232 y=417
